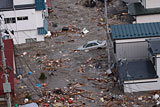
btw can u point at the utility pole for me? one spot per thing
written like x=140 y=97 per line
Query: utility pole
x=6 y=85
x=109 y=44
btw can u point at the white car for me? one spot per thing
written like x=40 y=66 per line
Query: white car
x=95 y=44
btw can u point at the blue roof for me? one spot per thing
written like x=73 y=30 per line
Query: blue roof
x=129 y=31
x=40 y=5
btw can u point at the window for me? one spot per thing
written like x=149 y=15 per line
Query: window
x=89 y=45
x=94 y=44
x=22 y=18
x=31 y=40
x=10 y=20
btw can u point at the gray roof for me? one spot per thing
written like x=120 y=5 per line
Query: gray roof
x=129 y=31
x=6 y=4
x=154 y=45
x=137 y=9
x=137 y=70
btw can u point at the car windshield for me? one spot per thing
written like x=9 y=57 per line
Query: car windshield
x=100 y=42
x=84 y=45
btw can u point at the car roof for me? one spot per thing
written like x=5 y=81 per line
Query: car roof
x=92 y=41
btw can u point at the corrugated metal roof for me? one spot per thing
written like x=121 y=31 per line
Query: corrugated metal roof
x=129 y=31
x=40 y=4
x=6 y=4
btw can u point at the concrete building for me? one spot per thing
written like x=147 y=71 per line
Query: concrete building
x=145 y=11
x=136 y=47
x=26 y=18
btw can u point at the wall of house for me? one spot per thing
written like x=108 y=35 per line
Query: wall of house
x=34 y=19
x=148 y=18
x=152 y=3
x=132 y=49
x=23 y=2
x=21 y=36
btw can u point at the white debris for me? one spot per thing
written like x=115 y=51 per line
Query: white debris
x=26 y=100
x=109 y=71
x=156 y=96
x=85 y=31
x=24 y=53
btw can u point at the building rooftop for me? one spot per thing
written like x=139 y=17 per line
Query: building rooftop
x=154 y=45
x=6 y=4
x=137 y=9
x=136 y=70
x=130 y=31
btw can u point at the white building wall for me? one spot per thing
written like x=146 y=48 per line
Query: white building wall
x=152 y=3
x=21 y=36
x=29 y=26
x=148 y=18
x=137 y=87
x=34 y=19
x=23 y=2
x=39 y=18
x=132 y=49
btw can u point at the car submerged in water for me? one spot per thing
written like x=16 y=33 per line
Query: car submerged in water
x=94 y=44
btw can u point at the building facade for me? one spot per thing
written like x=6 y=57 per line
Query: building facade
x=145 y=11
x=27 y=19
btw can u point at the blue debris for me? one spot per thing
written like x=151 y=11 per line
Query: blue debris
x=38 y=85
x=29 y=73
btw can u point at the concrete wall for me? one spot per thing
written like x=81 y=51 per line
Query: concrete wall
x=22 y=2
x=148 y=18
